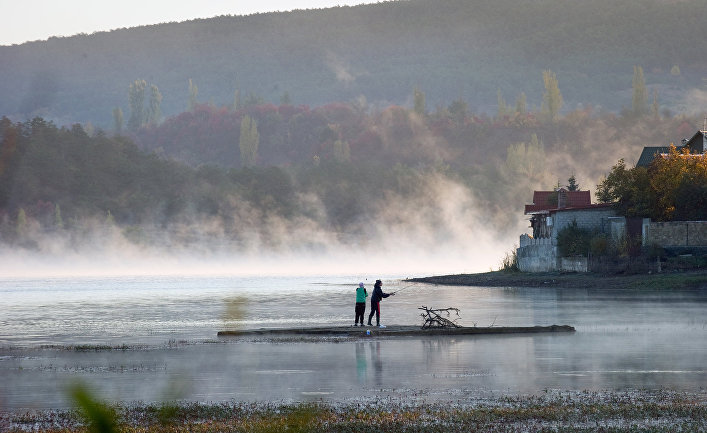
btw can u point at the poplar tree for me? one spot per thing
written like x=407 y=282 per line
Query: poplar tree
x=136 y=94
x=521 y=104
x=193 y=93
x=236 y=100
x=155 y=105
x=638 y=102
x=118 y=120
x=502 y=106
x=552 y=98
x=249 y=141
x=58 y=220
x=419 y=104
x=21 y=227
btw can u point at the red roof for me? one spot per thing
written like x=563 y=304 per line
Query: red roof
x=560 y=199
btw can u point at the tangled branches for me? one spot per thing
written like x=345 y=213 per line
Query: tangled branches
x=433 y=318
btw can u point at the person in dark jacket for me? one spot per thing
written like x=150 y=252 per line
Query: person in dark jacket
x=361 y=296
x=375 y=303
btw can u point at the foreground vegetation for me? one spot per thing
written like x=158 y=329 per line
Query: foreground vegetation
x=645 y=411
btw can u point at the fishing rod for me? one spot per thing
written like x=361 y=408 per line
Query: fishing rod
x=400 y=290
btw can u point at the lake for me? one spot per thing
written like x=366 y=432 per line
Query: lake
x=153 y=338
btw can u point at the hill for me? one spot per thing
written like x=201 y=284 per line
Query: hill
x=450 y=49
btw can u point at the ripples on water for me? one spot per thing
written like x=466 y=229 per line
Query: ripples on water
x=162 y=331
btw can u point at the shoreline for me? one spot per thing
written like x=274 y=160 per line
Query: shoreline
x=573 y=280
x=552 y=410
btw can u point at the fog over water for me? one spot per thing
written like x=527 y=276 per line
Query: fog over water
x=162 y=331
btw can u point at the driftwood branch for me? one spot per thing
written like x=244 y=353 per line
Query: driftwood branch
x=433 y=317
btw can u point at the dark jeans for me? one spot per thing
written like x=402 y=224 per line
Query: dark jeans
x=375 y=309
x=360 y=310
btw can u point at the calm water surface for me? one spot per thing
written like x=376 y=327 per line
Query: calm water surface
x=50 y=329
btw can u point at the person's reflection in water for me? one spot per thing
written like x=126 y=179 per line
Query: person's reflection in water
x=377 y=362
x=361 y=365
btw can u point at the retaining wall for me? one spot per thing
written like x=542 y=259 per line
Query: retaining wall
x=677 y=234
x=541 y=257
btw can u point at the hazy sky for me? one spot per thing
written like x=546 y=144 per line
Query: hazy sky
x=30 y=20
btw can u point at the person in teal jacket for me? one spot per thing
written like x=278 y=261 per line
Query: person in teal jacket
x=361 y=296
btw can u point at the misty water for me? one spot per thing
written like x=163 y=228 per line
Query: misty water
x=151 y=339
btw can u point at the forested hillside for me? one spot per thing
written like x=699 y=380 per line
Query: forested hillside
x=436 y=181
x=374 y=54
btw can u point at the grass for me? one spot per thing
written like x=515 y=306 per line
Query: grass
x=646 y=411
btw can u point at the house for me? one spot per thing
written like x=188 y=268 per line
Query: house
x=550 y=212
x=697 y=144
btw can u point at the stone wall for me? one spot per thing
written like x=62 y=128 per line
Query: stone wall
x=574 y=264
x=677 y=234
x=540 y=257
x=590 y=219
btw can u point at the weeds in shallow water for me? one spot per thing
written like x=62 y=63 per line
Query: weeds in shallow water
x=99 y=417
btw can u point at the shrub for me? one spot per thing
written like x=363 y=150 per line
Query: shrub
x=573 y=240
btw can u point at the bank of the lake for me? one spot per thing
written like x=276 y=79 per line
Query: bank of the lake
x=574 y=280
x=645 y=411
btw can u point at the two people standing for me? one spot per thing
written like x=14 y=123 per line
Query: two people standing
x=376 y=298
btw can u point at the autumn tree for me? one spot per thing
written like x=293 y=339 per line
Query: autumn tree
x=419 y=104
x=679 y=180
x=136 y=96
x=118 y=120
x=502 y=106
x=527 y=160
x=249 y=141
x=552 y=98
x=521 y=104
x=193 y=93
x=155 y=112
x=638 y=102
x=628 y=189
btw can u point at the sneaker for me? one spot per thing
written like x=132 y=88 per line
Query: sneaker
x=381 y=326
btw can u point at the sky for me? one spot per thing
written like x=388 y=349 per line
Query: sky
x=31 y=20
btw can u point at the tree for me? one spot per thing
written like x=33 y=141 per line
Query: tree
x=155 y=105
x=527 y=160
x=342 y=152
x=236 y=100
x=572 y=184
x=249 y=141
x=552 y=98
x=21 y=227
x=419 y=104
x=679 y=181
x=628 y=189
x=459 y=110
x=521 y=104
x=58 y=220
x=655 y=107
x=193 y=93
x=136 y=96
x=502 y=107
x=638 y=102
x=285 y=99
x=118 y=120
